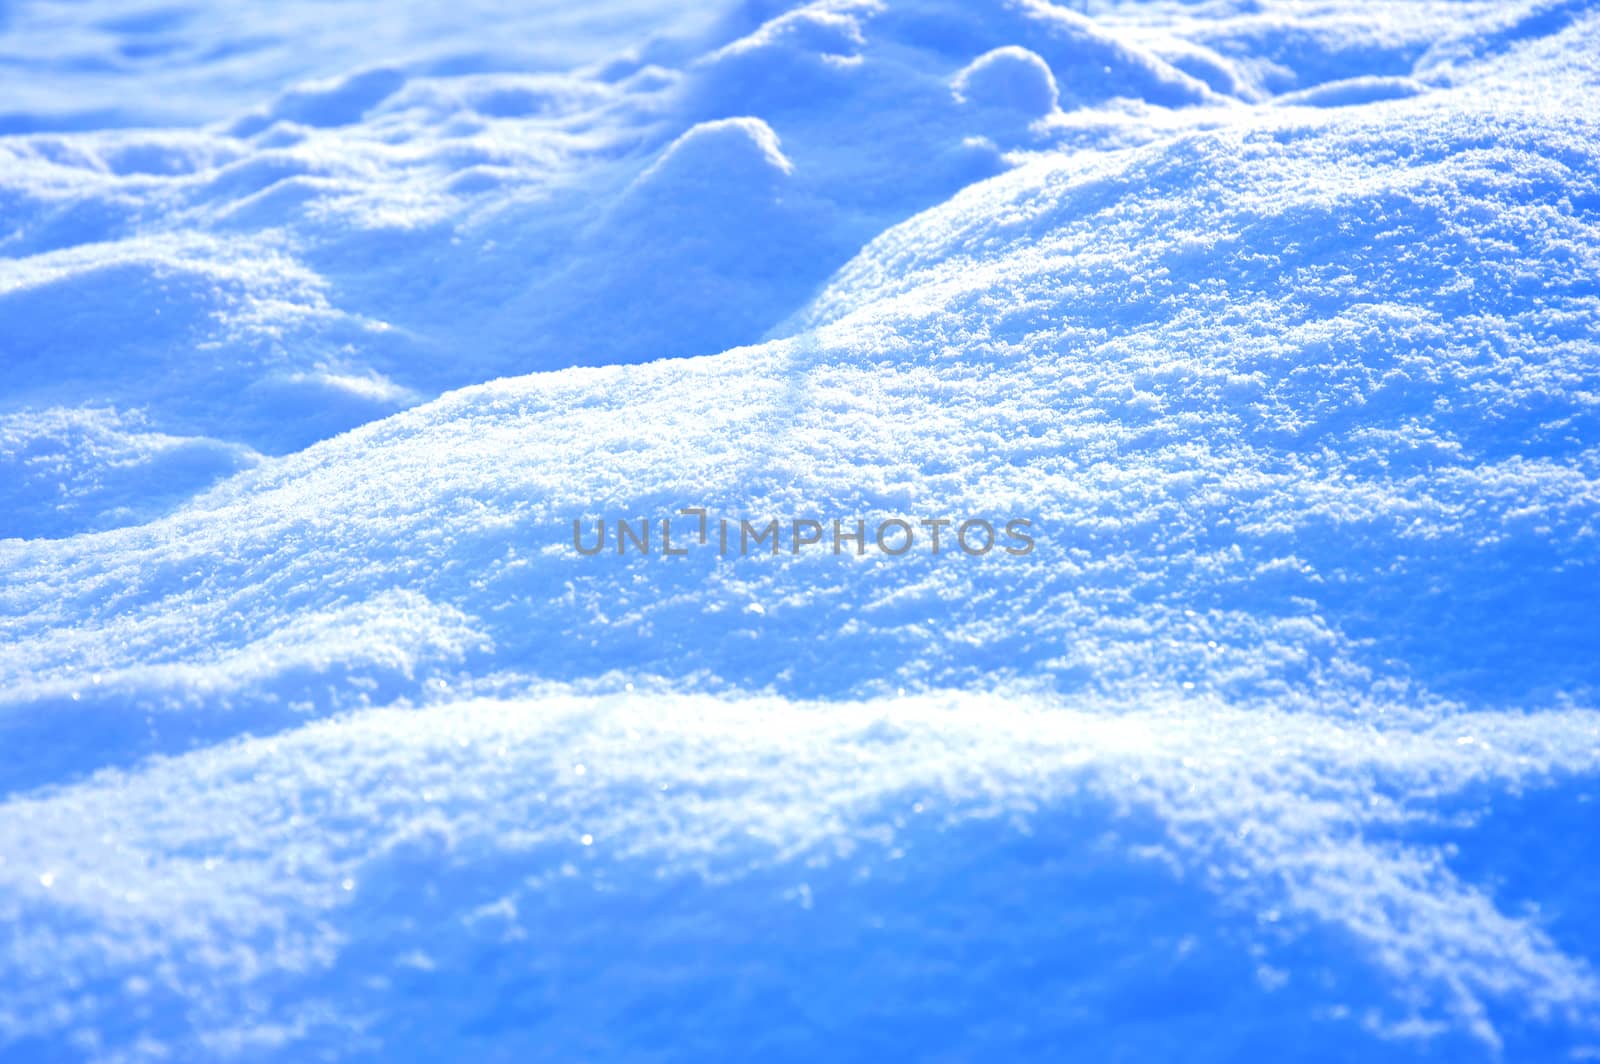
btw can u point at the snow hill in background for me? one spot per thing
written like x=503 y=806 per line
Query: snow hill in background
x=1281 y=321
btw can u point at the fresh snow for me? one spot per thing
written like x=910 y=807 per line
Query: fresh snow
x=1280 y=321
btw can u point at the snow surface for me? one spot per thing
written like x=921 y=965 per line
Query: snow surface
x=321 y=324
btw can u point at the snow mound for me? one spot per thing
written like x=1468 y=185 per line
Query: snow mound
x=1277 y=325
x=65 y=470
x=385 y=877
x=1093 y=64
x=1010 y=78
x=787 y=63
x=733 y=156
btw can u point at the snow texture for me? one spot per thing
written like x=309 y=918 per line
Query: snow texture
x=321 y=325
